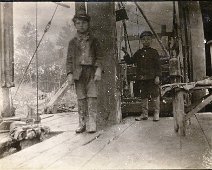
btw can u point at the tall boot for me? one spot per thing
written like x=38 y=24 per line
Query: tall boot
x=92 y=112
x=144 y=114
x=82 y=110
x=156 y=103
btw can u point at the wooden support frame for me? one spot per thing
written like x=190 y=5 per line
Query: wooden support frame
x=178 y=112
x=180 y=116
x=199 y=107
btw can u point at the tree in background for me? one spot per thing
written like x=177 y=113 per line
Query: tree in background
x=49 y=64
x=24 y=49
x=65 y=35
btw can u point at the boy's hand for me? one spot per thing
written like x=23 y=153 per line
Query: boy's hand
x=70 y=79
x=157 y=80
x=98 y=74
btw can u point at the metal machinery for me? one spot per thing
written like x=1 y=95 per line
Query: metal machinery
x=130 y=101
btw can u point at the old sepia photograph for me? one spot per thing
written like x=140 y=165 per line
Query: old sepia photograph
x=105 y=85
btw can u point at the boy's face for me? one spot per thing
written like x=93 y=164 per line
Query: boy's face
x=146 y=41
x=81 y=26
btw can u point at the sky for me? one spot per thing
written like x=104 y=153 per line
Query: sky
x=24 y=12
x=159 y=13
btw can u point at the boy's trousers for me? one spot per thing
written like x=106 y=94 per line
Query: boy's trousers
x=87 y=109
x=86 y=90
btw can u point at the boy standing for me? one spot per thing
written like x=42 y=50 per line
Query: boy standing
x=83 y=68
x=148 y=74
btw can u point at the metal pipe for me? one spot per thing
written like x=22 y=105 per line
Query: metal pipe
x=150 y=26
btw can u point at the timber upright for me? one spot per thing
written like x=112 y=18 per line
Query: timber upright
x=6 y=59
x=84 y=69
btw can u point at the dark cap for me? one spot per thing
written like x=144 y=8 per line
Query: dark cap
x=81 y=14
x=146 y=33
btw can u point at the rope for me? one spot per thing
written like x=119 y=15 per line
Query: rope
x=45 y=31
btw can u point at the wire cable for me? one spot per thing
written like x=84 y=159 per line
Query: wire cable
x=36 y=43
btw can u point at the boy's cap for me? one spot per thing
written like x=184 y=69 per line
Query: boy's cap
x=81 y=14
x=146 y=33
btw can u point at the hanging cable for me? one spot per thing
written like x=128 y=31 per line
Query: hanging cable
x=36 y=43
x=45 y=31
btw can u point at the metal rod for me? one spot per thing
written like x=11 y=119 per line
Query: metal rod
x=150 y=26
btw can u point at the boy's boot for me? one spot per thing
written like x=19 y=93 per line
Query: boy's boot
x=156 y=102
x=92 y=112
x=144 y=114
x=82 y=109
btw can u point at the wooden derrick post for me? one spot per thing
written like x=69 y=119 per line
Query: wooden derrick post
x=103 y=26
x=197 y=45
x=192 y=36
x=193 y=40
x=6 y=58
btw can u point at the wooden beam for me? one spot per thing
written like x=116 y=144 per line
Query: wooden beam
x=179 y=113
x=103 y=26
x=198 y=59
x=54 y=99
x=6 y=57
x=199 y=107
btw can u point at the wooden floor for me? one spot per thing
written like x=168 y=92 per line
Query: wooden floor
x=128 y=145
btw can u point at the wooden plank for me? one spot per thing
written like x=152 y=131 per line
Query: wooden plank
x=79 y=157
x=149 y=145
x=38 y=158
x=130 y=145
x=34 y=151
x=58 y=94
x=45 y=159
x=199 y=107
x=59 y=119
